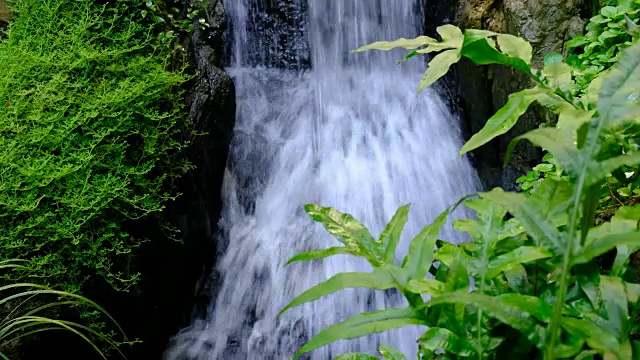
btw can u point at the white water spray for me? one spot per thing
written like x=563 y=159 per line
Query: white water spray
x=352 y=134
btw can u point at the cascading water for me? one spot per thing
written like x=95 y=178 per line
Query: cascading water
x=350 y=133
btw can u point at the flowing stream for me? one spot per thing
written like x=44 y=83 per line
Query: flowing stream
x=349 y=133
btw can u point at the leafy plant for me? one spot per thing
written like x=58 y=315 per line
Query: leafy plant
x=613 y=29
x=533 y=272
x=89 y=122
x=29 y=314
x=91 y=113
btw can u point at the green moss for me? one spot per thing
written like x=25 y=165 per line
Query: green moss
x=89 y=117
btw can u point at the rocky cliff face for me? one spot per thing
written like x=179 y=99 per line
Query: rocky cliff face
x=547 y=25
x=171 y=269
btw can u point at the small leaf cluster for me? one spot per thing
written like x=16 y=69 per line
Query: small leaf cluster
x=611 y=30
x=89 y=125
x=537 y=290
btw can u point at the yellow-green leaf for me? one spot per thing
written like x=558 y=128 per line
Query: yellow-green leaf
x=438 y=338
x=515 y=47
x=320 y=254
x=399 y=43
x=422 y=248
x=391 y=234
x=379 y=280
x=364 y=324
x=504 y=119
x=438 y=67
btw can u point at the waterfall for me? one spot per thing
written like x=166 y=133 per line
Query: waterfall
x=350 y=133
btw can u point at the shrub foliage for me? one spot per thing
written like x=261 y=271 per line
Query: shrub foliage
x=89 y=117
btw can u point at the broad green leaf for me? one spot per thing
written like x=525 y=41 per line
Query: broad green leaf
x=596 y=246
x=380 y=279
x=448 y=253
x=573 y=160
x=437 y=338
x=598 y=170
x=391 y=353
x=593 y=90
x=451 y=35
x=391 y=234
x=558 y=75
x=518 y=311
x=588 y=276
x=422 y=248
x=615 y=304
x=438 y=67
x=426 y=286
x=621 y=232
x=589 y=207
x=363 y=324
x=625 y=219
x=620 y=93
x=515 y=47
x=349 y=231
x=357 y=356
x=504 y=119
x=320 y=254
x=572 y=118
x=520 y=255
x=555 y=141
x=399 y=43
x=457 y=277
x=517 y=280
x=633 y=292
x=595 y=336
x=539 y=214
x=479 y=50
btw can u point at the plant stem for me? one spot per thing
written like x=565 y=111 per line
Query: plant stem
x=588 y=151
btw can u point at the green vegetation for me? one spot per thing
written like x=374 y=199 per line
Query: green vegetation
x=538 y=291
x=26 y=319
x=89 y=117
x=91 y=109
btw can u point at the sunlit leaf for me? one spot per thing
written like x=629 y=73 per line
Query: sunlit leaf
x=539 y=214
x=422 y=248
x=349 y=231
x=438 y=67
x=515 y=47
x=391 y=353
x=479 y=50
x=380 y=279
x=438 y=338
x=391 y=234
x=558 y=75
x=515 y=310
x=620 y=93
x=426 y=286
x=621 y=232
x=504 y=119
x=399 y=43
x=520 y=255
x=363 y=324
x=320 y=254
